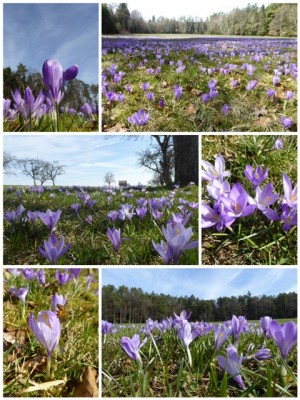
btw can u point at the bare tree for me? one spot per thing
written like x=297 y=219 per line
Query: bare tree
x=52 y=170
x=109 y=178
x=9 y=162
x=159 y=158
x=35 y=169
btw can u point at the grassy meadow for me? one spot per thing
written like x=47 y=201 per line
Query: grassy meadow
x=86 y=229
x=167 y=372
x=224 y=83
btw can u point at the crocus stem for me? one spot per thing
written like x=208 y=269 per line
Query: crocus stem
x=48 y=367
x=189 y=355
x=283 y=373
x=57 y=118
x=23 y=311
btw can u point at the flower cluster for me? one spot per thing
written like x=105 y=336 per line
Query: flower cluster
x=227 y=336
x=234 y=202
x=46 y=102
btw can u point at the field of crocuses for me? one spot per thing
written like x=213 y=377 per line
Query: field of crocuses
x=95 y=226
x=43 y=113
x=205 y=84
x=179 y=358
x=249 y=207
x=50 y=332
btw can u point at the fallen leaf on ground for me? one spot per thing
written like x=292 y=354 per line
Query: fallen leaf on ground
x=88 y=386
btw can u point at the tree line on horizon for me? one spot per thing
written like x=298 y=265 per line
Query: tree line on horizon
x=277 y=19
x=76 y=92
x=133 y=305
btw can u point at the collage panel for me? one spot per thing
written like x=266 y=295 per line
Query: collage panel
x=223 y=67
x=50 y=59
x=94 y=200
x=213 y=332
x=249 y=200
x=51 y=332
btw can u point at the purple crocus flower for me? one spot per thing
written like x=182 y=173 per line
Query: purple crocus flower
x=265 y=325
x=76 y=207
x=145 y=85
x=161 y=103
x=46 y=329
x=75 y=272
x=212 y=84
x=238 y=325
x=14 y=271
x=236 y=203
x=186 y=334
x=112 y=215
x=132 y=346
x=28 y=273
x=139 y=118
x=150 y=96
x=289 y=95
x=225 y=109
x=141 y=212
x=178 y=91
x=270 y=93
x=263 y=199
x=286 y=122
x=251 y=85
x=222 y=333
x=278 y=145
x=62 y=277
x=290 y=194
x=33 y=215
x=87 y=110
x=215 y=216
x=182 y=318
x=31 y=105
x=288 y=217
x=20 y=292
x=50 y=218
x=149 y=327
x=54 y=249
x=257 y=176
x=205 y=97
x=106 y=327
x=6 y=108
x=58 y=299
x=177 y=237
x=262 y=354
x=41 y=276
x=285 y=336
x=214 y=172
x=231 y=364
x=114 y=236
x=54 y=77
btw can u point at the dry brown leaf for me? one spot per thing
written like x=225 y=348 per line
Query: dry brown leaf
x=88 y=386
x=196 y=92
x=191 y=109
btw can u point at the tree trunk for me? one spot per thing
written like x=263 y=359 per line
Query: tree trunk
x=186 y=159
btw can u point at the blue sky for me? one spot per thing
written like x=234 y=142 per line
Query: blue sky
x=204 y=283
x=66 y=32
x=86 y=158
x=176 y=9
